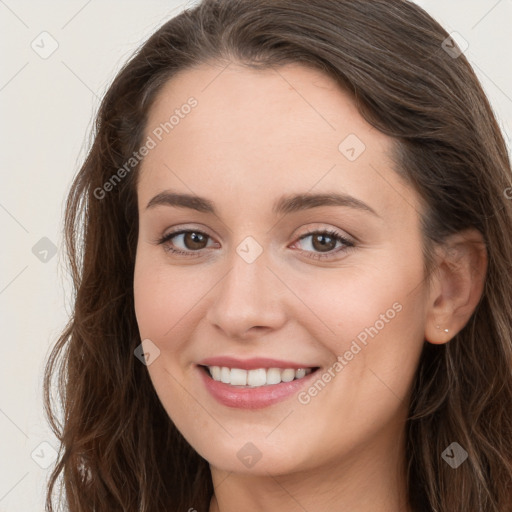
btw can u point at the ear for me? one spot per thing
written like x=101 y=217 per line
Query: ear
x=456 y=286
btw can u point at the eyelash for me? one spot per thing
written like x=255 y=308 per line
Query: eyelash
x=318 y=256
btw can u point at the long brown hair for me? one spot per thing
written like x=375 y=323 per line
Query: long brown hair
x=119 y=449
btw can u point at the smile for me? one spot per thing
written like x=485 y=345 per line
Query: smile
x=253 y=388
x=256 y=378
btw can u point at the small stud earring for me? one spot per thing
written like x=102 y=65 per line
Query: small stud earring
x=439 y=327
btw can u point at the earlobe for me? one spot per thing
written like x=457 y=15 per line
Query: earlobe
x=457 y=285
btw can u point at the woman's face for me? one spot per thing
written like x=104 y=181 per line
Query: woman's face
x=263 y=280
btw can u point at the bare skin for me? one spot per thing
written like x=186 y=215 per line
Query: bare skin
x=253 y=137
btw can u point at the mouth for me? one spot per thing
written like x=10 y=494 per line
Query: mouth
x=253 y=383
x=255 y=378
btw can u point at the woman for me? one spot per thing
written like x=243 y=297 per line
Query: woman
x=291 y=246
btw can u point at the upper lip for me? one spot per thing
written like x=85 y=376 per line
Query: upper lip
x=252 y=363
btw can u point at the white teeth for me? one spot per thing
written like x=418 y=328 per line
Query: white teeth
x=225 y=375
x=256 y=378
x=273 y=376
x=288 y=375
x=238 y=377
x=216 y=372
x=301 y=372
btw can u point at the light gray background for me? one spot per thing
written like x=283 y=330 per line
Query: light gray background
x=46 y=107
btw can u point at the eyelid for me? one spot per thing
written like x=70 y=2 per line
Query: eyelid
x=170 y=232
x=180 y=231
x=323 y=228
x=348 y=242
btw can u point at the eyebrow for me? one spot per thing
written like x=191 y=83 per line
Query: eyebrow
x=284 y=205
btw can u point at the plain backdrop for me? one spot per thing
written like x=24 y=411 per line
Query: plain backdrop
x=58 y=59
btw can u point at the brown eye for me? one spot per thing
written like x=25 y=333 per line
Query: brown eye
x=185 y=242
x=194 y=240
x=323 y=243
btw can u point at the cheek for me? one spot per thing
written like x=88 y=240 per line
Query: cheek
x=170 y=303
x=162 y=296
x=163 y=307
x=375 y=353
x=372 y=317
x=150 y=300
x=357 y=302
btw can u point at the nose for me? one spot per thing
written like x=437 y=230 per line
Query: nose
x=248 y=301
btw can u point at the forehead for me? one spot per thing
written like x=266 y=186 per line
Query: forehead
x=268 y=131
x=309 y=104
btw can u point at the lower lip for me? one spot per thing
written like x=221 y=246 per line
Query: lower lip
x=252 y=398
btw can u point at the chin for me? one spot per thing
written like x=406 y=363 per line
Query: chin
x=257 y=457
